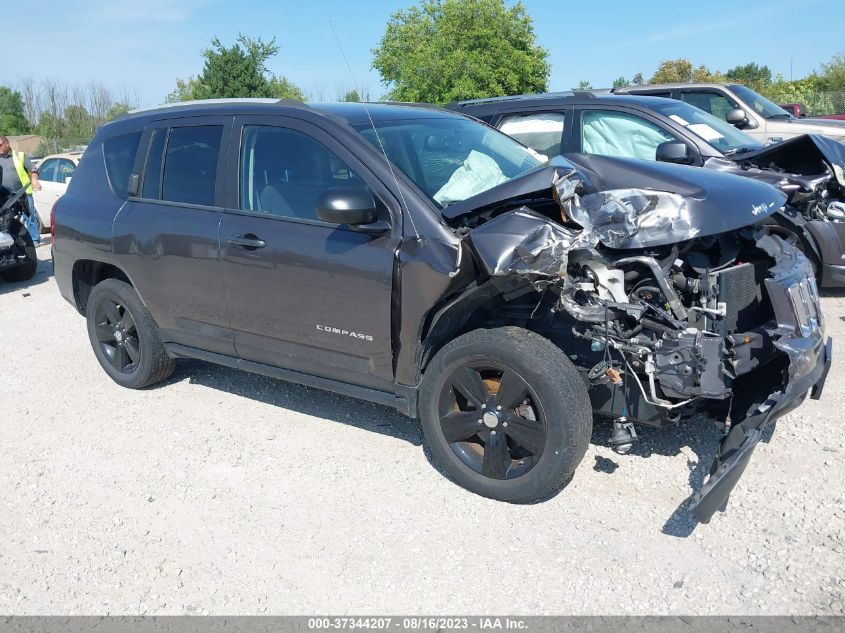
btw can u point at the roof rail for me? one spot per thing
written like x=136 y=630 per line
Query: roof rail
x=196 y=102
x=540 y=95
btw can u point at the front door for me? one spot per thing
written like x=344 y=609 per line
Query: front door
x=305 y=294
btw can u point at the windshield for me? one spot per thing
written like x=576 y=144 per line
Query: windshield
x=759 y=103
x=716 y=132
x=451 y=159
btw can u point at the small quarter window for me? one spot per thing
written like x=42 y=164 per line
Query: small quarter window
x=119 y=152
x=190 y=165
x=152 y=170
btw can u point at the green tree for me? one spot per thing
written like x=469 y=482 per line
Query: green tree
x=584 y=84
x=351 y=95
x=186 y=90
x=751 y=75
x=638 y=79
x=236 y=71
x=832 y=74
x=12 y=117
x=672 y=71
x=282 y=88
x=445 y=50
x=78 y=123
x=116 y=110
x=621 y=82
x=681 y=71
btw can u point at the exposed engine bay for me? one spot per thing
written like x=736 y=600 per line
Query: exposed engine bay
x=664 y=309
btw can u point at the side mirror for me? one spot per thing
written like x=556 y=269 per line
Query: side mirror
x=674 y=152
x=737 y=117
x=353 y=206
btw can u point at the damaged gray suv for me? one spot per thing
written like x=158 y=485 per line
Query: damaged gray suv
x=417 y=258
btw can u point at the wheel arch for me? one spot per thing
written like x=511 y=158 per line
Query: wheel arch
x=87 y=273
x=472 y=309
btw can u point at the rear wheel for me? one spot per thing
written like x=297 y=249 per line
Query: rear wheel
x=506 y=414
x=124 y=336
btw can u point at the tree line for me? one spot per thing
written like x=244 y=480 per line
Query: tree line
x=64 y=113
x=435 y=51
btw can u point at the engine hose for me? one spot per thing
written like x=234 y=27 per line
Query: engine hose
x=675 y=303
x=657 y=327
x=632 y=332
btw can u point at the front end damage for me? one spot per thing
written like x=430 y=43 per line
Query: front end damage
x=668 y=309
x=810 y=170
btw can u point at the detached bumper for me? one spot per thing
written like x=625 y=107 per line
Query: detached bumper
x=809 y=365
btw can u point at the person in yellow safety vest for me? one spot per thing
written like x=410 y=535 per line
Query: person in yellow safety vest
x=17 y=172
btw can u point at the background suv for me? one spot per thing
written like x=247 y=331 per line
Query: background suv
x=742 y=107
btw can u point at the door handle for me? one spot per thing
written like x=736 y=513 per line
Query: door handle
x=249 y=242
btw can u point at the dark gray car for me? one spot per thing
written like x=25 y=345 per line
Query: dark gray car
x=417 y=258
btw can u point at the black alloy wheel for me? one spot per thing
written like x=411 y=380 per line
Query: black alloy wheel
x=488 y=416
x=117 y=335
x=505 y=413
x=125 y=337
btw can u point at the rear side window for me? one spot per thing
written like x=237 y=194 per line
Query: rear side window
x=190 y=164
x=119 y=152
x=541 y=132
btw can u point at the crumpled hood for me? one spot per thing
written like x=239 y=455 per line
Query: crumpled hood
x=627 y=203
x=807 y=155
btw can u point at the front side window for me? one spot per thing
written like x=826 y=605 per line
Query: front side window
x=450 y=159
x=713 y=103
x=609 y=133
x=190 y=164
x=541 y=132
x=47 y=170
x=759 y=103
x=717 y=132
x=119 y=152
x=283 y=171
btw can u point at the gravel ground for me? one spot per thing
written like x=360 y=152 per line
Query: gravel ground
x=228 y=493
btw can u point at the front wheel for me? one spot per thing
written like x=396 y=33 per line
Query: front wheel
x=125 y=337
x=506 y=414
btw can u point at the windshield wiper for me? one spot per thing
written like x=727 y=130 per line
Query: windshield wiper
x=785 y=115
x=739 y=150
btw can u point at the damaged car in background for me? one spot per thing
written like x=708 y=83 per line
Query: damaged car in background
x=417 y=258
x=809 y=169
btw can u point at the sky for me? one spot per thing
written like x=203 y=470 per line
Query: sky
x=143 y=47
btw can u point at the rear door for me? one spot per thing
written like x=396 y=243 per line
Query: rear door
x=307 y=295
x=166 y=236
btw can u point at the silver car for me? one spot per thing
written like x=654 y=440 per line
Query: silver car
x=750 y=112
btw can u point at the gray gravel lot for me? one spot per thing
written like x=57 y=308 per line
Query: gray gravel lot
x=228 y=493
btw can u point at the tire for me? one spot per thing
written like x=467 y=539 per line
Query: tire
x=27 y=270
x=135 y=358
x=504 y=456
